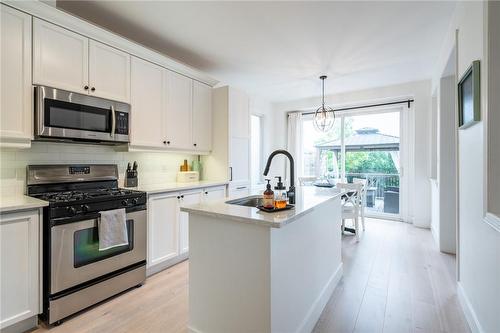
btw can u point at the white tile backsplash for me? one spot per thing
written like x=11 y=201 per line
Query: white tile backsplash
x=153 y=167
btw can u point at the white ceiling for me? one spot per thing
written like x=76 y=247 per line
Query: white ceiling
x=278 y=49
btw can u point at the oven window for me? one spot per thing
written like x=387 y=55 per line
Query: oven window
x=86 y=246
x=75 y=116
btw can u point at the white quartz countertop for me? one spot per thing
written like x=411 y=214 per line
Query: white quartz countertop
x=307 y=198
x=10 y=203
x=170 y=187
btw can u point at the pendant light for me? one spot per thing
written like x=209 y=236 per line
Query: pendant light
x=324 y=117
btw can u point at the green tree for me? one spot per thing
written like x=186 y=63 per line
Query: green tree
x=369 y=162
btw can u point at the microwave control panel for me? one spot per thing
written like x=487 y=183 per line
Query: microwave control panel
x=121 y=123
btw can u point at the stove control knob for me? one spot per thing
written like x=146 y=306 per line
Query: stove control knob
x=85 y=208
x=135 y=201
x=71 y=210
x=124 y=202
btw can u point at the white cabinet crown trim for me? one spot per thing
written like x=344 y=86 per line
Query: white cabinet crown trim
x=58 y=17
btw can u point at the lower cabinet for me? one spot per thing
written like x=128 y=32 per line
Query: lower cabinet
x=19 y=269
x=168 y=227
x=239 y=190
x=163 y=229
x=189 y=198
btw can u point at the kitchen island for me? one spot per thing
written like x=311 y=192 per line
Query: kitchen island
x=251 y=271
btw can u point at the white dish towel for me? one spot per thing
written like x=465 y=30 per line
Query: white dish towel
x=112 y=229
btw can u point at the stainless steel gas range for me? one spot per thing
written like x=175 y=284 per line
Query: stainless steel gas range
x=76 y=274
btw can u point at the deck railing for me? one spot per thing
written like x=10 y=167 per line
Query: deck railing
x=379 y=182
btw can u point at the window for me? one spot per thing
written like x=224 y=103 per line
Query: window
x=256 y=141
x=361 y=145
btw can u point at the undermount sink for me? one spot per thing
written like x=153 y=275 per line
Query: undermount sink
x=251 y=201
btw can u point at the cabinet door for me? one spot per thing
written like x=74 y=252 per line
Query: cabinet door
x=186 y=199
x=215 y=193
x=60 y=57
x=178 y=114
x=239 y=114
x=19 y=256
x=202 y=116
x=239 y=191
x=163 y=229
x=239 y=160
x=15 y=72
x=109 y=72
x=147 y=104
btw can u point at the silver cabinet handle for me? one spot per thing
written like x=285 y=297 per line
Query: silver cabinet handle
x=113 y=121
x=230 y=173
x=241 y=187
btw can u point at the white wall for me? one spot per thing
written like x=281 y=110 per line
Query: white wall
x=479 y=243
x=153 y=167
x=418 y=181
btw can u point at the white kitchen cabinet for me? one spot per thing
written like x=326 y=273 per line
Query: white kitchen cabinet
x=148 y=104
x=163 y=228
x=230 y=157
x=16 y=111
x=109 y=72
x=214 y=193
x=187 y=198
x=19 y=269
x=60 y=57
x=238 y=191
x=178 y=114
x=202 y=116
x=239 y=114
x=66 y=60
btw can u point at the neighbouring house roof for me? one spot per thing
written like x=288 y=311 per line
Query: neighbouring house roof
x=364 y=139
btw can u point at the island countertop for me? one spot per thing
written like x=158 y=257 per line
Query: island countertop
x=306 y=199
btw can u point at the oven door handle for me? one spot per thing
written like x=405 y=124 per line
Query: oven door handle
x=113 y=121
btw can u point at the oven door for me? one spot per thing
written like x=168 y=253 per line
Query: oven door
x=65 y=115
x=75 y=255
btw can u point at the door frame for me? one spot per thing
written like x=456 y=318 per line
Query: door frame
x=406 y=146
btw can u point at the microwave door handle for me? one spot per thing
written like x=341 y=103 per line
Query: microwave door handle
x=113 y=121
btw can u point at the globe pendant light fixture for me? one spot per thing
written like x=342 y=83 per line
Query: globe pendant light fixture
x=324 y=117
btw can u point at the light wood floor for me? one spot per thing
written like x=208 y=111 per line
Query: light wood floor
x=395 y=280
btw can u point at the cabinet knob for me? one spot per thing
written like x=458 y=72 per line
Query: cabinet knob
x=182 y=196
x=178 y=197
x=92 y=89
x=168 y=142
x=194 y=144
x=206 y=192
x=86 y=87
x=164 y=142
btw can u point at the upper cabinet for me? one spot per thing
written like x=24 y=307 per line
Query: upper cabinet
x=69 y=61
x=178 y=115
x=15 y=86
x=109 y=72
x=169 y=111
x=202 y=116
x=60 y=57
x=148 y=104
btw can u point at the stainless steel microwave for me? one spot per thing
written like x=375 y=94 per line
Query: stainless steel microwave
x=65 y=115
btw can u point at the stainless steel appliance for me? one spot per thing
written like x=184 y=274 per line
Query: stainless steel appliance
x=64 y=115
x=76 y=274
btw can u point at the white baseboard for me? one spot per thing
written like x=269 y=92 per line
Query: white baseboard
x=470 y=314
x=319 y=304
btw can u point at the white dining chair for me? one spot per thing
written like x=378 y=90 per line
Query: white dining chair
x=351 y=204
x=363 y=182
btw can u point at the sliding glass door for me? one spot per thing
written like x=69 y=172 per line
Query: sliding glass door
x=362 y=145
